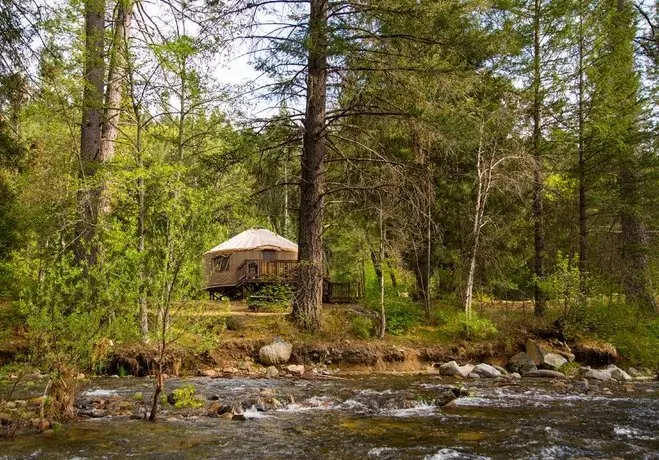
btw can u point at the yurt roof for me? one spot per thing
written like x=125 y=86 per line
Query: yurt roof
x=255 y=238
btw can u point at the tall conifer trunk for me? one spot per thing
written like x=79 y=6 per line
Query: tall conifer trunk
x=117 y=76
x=308 y=300
x=85 y=249
x=538 y=213
x=583 y=216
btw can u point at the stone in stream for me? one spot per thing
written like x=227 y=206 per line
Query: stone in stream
x=521 y=363
x=445 y=397
x=465 y=370
x=619 y=374
x=485 y=370
x=598 y=374
x=296 y=369
x=534 y=351
x=278 y=352
x=545 y=373
x=271 y=372
x=212 y=373
x=473 y=375
x=515 y=375
x=450 y=369
x=552 y=361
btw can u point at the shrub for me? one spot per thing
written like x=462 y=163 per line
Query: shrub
x=571 y=369
x=361 y=327
x=184 y=397
x=402 y=314
x=473 y=328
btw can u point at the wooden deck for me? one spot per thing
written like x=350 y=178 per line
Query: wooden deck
x=264 y=271
x=260 y=272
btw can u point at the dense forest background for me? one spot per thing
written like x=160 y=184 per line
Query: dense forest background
x=438 y=151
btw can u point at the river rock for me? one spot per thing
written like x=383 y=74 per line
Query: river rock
x=278 y=352
x=534 y=351
x=485 y=370
x=465 y=370
x=445 y=397
x=521 y=363
x=598 y=374
x=619 y=374
x=212 y=373
x=515 y=375
x=271 y=372
x=450 y=369
x=296 y=369
x=473 y=375
x=213 y=409
x=552 y=361
x=545 y=373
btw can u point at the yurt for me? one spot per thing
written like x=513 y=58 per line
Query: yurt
x=256 y=255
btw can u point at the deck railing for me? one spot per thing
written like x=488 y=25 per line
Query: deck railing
x=254 y=270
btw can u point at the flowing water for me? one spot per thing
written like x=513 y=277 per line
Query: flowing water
x=369 y=417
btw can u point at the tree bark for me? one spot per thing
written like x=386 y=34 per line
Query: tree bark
x=538 y=213
x=583 y=216
x=307 y=303
x=481 y=199
x=117 y=77
x=85 y=248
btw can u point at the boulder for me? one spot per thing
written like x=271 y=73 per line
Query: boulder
x=212 y=373
x=552 y=361
x=473 y=375
x=278 y=352
x=485 y=370
x=271 y=372
x=465 y=370
x=515 y=375
x=598 y=374
x=521 y=363
x=296 y=369
x=534 y=351
x=445 y=397
x=450 y=369
x=545 y=373
x=620 y=375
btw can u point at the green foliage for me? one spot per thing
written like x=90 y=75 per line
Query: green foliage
x=402 y=315
x=563 y=284
x=475 y=328
x=138 y=396
x=361 y=327
x=571 y=369
x=122 y=371
x=272 y=297
x=184 y=397
x=634 y=332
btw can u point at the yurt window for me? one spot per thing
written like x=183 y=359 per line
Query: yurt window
x=221 y=263
x=269 y=254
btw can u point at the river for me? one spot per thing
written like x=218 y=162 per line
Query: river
x=379 y=416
